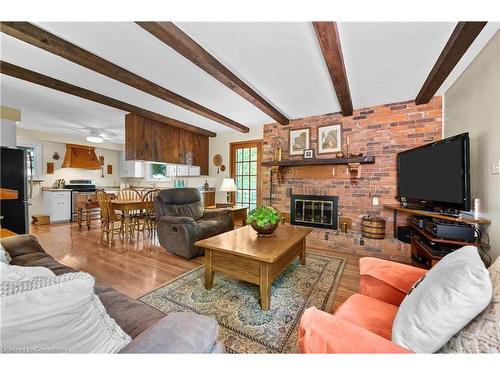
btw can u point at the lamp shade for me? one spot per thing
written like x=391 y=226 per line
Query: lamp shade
x=228 y=185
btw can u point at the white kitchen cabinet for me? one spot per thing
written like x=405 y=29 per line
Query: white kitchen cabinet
x=130 y=168
x=182 y=170
x=171 y=170
x=57 y=204
x=194 y=170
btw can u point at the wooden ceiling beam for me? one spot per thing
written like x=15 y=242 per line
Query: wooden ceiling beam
x=329 y=41
x=459 y=42
x=55 y=84
x=178 y=40
x=40 y=38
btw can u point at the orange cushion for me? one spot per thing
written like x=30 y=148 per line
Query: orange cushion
x=320 y=332
x=369 y=313
x=387 y=281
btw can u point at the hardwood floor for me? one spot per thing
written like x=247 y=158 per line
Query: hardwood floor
x=135 y=268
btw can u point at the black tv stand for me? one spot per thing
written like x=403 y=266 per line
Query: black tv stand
x=460 y=219
x=437 y=210
x=420 y=247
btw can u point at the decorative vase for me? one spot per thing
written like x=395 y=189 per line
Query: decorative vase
x=265 y=231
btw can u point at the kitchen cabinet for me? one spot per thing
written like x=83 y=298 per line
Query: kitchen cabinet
x=155 y=141
x=194 y=170
x=171 y=170
x=130 y=168
x=177 y=170
x=57 y=204
x=193 y=150
x=182 y=171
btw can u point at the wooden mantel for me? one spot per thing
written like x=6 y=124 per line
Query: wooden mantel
x=331 y=161
x=353 y=165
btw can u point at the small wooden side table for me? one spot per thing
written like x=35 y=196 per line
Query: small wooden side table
x=238 y=213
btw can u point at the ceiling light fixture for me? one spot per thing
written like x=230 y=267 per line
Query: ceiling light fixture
x=95 y=139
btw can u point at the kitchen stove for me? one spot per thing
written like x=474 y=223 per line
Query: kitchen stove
x=81 y=185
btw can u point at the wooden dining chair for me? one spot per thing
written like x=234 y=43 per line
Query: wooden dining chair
x=130 y=194
x=145 y=190
x=108 y=217
x=145 y=222
x=149 y=218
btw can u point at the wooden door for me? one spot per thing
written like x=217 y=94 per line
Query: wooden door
x=246 y=171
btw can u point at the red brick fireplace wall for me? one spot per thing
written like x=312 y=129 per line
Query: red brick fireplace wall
x=380 y=131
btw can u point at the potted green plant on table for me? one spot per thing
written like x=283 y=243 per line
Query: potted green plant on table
x=264 y=220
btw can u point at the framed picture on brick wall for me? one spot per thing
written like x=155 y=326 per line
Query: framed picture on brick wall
x=309 y=153
x=329 y=139
x=299 y=141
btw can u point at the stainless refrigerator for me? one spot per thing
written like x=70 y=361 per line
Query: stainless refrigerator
x=14 y=212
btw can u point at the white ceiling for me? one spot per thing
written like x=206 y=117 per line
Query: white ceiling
x=55 y=112
x=388 y=62
x=385 y=62
x=281 y=60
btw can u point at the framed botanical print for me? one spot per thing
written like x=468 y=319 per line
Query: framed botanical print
x=299 y=141
x=329 y=139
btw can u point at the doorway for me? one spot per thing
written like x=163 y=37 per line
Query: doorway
x=246 y=171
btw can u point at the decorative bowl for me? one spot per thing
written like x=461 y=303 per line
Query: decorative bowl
x=265 y=231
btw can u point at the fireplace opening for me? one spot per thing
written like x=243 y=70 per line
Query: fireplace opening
x=318 y=211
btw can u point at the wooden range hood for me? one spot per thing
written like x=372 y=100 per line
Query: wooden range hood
x=79 y=156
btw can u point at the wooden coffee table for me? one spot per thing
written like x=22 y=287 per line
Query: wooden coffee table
x=240 y=253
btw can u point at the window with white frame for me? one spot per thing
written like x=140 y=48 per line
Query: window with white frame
x=157 y=172
x=34 y=158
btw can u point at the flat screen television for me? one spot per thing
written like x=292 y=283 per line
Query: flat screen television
x=435 y=176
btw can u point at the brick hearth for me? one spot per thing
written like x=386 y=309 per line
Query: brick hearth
x=381 y=131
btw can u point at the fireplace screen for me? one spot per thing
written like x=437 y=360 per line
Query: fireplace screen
x=314 y=211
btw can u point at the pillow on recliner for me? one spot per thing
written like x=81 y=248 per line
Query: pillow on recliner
x=452 y=293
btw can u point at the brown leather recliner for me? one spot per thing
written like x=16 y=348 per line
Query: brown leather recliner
x=182 y=221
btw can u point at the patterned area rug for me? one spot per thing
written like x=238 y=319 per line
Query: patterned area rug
x=243 y=326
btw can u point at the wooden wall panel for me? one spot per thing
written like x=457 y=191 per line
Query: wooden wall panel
x=151 y=140
x=193 y=150
x=133 y=127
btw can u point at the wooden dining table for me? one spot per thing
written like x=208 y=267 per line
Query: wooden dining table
x=126 y=206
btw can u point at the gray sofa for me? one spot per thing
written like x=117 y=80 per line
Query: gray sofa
x=182 y=220
x=151 y=331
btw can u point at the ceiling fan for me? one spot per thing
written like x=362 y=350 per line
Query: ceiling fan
x=96 y=135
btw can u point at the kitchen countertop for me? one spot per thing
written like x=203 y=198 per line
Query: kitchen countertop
x=54 y=189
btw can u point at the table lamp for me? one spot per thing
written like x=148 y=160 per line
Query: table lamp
x=228 y=186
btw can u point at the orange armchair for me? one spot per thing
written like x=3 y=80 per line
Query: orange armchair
x=363 y=323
